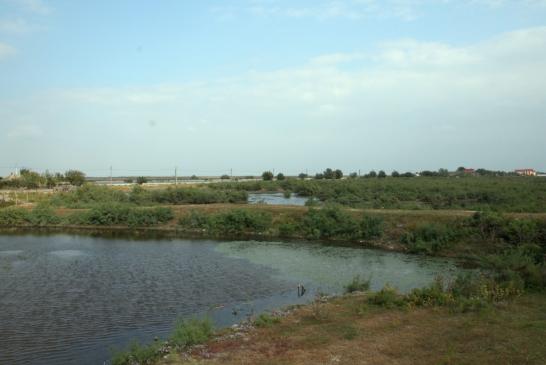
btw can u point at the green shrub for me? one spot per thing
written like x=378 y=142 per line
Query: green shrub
x=88 y=196
x=387 y=297
x=330 y=222
x=120 y=214
x=371 y=227
x=43 y=216
x=520 y=231
x=288 y=229
x=237 y=221
x=197 y=196
x=149 y=216
x=357 y=284
x=195 y=219
x=428 y=238
x=137 y=354
x=191 y=332
x=433 y=295
x=523 y=265
x=13 y=216
x=489 y=226
x=266 y=320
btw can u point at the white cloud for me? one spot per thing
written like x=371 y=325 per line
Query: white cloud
x=17 y=26
x=6 y=50
x=406 y=10
x=431 y=71
x=482 y=102
x=34 y=6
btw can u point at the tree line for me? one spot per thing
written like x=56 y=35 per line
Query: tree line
x=32 y=180
x=331 y=174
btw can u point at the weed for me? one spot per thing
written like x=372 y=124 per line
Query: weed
x=357 y=284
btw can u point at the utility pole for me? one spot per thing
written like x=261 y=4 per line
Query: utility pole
x=111 y=182
x=175 y=175
x=231 y=172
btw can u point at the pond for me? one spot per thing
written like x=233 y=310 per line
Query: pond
x=67 y=299
x=276 y=199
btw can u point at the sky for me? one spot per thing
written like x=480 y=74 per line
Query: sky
x=253 y=85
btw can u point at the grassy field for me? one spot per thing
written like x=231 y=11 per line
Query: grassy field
x=347 y=331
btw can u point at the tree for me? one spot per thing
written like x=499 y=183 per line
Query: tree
x=31 y=180
x=319 y=176
x=141 y=180
x=75 y=177
x=395 y=174
x=353 y=175
x=372 y=174
x=443 y=172
x=267 y=176
x=51 y=180
x=302 y=176
x=338 y=174
x=408 y=174
x=381 y=174
x=225 y=177
x=280 y=176
x=328 y=173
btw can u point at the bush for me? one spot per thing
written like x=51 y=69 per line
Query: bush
x=387 y=297
x=195 y=219
x=521 y=266
x=75 y=177
x=43 y=216
x=267 y=176
x=330 y=222
x=239 y=221
x=13 y=216
x=119 y=214
x=137 y=354
x=288 y=229
x=266 y=320
x=371 y=227
x=433 y=295
x=357 y=284
x=89 y=196
x=149 y=216
x=197 y=196
x=428 y=238
x=192 y=332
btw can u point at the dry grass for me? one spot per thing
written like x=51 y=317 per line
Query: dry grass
x=350 y=334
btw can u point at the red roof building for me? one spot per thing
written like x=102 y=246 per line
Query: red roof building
x=526 y=172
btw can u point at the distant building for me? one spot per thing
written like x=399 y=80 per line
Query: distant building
x=526 y=172
x=469 y=171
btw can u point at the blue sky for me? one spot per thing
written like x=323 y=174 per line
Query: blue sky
x=144 y=86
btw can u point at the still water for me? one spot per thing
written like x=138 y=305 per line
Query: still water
x=276 y=199
x=67 y=299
